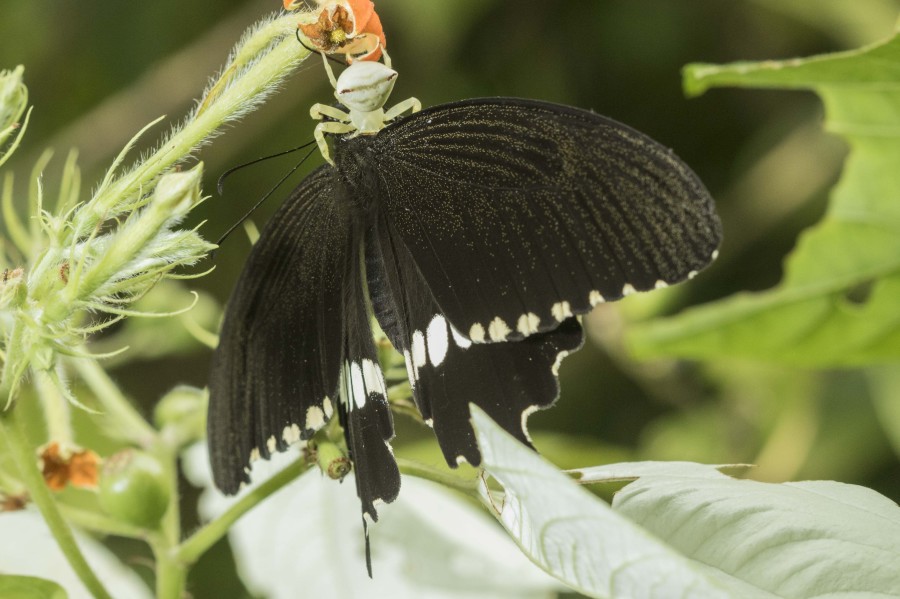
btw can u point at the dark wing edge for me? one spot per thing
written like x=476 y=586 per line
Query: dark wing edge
x=521 y=214
x=274 y=374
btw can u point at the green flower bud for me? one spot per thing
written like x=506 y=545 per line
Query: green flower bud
x=183 y=411
x=332 y=460
x=13 y=101
x=178 y=192
x=134 y=488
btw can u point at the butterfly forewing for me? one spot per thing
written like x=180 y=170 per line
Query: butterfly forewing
x=275 y=372
x=520 y=214
x=297 y=345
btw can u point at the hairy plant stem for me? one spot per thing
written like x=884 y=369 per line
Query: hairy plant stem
x=171 y=573
x=57 y=412
x=13 y=430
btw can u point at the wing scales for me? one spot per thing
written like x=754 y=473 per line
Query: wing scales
x=275 y=372
x=513 y=208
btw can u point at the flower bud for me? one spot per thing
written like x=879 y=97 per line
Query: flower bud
x=183 y=410
x=134 y=488
x=13 y=101
x=179 y=191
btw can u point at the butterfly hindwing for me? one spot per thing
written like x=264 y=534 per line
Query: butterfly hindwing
x=520 y=214
x=447 y=371
x=274 y=377
x=365 y=413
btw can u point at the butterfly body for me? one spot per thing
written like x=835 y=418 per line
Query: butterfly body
x=475 y=232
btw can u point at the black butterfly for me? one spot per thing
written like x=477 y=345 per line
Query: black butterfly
x=476 y=232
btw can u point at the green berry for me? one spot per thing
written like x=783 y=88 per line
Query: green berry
x=134 y=488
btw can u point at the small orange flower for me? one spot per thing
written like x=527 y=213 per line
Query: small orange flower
x=67 y=466
x=351 y=27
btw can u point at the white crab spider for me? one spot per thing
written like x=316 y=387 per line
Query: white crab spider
x=364 y=88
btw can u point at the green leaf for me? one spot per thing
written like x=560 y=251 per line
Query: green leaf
x=28 y=587
x=806 y=539
x=838 y=302
x=691 y=530
x=307 y=540
x=578 y=538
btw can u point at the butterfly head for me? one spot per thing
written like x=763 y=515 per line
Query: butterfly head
x=365 y=86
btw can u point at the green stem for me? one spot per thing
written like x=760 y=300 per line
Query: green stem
x=57 y=414
x=469 y=486
x=115 y=404
x=171 y=573
x=195 y=546
x=26 y=462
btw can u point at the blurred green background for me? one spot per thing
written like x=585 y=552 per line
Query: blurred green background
x=99 y=71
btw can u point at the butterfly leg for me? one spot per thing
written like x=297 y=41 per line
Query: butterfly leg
x=411 y=104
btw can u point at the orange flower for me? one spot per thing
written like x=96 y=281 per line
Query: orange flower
x=351 y=27
x=68 y=466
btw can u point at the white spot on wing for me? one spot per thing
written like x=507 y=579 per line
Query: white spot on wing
x=498 y=329
x=438 y=340
x=660 y=284
x=272 y=444
x=291 y=434
x=254 y=454
x=315 y=418
x=429 y=422
x=561 y=311
x=476 y=333
x=373 y=377
x=458 y=338
x=461 y=459
x=418 y=350
x=528 y=323
x=715 y=255
x=596 y=298
x=692 y=274
x=628 y=289
x=559 y=358
x=357 y=386
x=327 y=408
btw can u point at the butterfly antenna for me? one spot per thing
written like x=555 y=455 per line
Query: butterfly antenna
x=220 y=184
x=268 y=194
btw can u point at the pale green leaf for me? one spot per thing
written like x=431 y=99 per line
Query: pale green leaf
x=28 y=549
x=579 y=539
x=837 y=304
x=803 y=540
x=307 y=540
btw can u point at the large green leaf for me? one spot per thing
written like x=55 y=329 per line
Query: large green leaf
x=579 y=539
x=307 y=540
x=804 y=539
x=839 y=302
x=687 y=530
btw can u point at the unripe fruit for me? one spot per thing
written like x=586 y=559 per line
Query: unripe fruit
x=134 y=488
